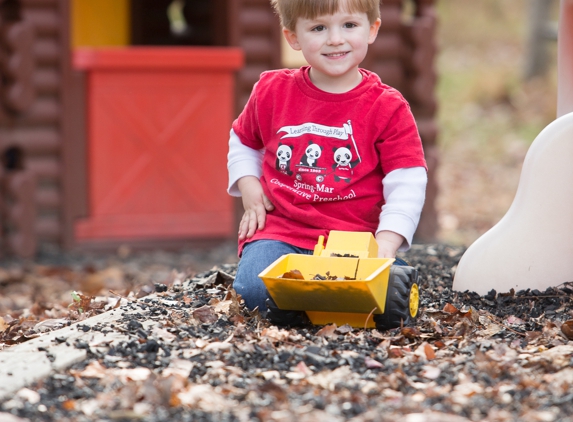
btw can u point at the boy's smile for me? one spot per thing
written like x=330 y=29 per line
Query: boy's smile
x=334 y=46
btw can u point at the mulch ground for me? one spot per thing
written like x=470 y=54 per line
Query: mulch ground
x=195 y=354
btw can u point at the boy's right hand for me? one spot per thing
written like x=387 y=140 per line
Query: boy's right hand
x=256 y=206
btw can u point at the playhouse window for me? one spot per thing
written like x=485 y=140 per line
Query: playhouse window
x=106 y=23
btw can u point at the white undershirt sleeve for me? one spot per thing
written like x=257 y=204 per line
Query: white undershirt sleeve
x=242 y=161
x=404 y=195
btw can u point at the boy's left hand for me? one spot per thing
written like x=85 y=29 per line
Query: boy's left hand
x=256 y=206
x=388 y=243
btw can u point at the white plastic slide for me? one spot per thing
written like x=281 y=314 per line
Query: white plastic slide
x=532 y=245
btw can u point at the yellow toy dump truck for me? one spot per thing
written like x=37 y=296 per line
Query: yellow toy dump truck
x=345 y=283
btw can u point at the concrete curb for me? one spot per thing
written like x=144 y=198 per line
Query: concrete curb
x=29 y=362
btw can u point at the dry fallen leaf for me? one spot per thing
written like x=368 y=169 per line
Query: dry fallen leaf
x=330 y=380
x=429 y=351
x=327 y=331
x=303 y=369
x=132 y=374
x=179 y=367
x=205 y=314
x=450 y=309
x=430 y=372
x=3 y=325
x=218 y=346
x=294 y=275
x=163 y=334
x=372 y=363
x=344 y=329
x=29 y=395
x=93 y=370
x=268 y=375
x=234 y=309
x=204 y=397
x=567 y=329
x=513 y=320
x=395 y=352
x=275 y=334
x=491 y=330
x=69 y=404
x=410 y=332
x=223 y=307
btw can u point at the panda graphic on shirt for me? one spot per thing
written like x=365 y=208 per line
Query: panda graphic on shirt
x=311 y=155
x=284 y=155
x=343 y=164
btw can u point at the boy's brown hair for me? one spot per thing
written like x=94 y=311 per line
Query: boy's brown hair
x=290 y=10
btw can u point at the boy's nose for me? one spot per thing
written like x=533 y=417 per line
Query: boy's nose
x=335 y=37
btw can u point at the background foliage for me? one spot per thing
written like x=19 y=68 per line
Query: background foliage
x=488 y=113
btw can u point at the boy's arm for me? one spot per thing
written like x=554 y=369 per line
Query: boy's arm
x=245 y=168
x=242 y=161
x=388 y=243
x=404 y=194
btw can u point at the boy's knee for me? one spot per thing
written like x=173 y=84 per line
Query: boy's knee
x=253 y=292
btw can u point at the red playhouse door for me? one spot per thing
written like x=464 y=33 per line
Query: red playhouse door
x=158 y=127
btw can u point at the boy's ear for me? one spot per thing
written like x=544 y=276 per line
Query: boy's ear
x=292 y=39
x=374 y=31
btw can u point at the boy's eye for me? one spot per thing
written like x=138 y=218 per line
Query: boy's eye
x=349 y=25
x=319 y=28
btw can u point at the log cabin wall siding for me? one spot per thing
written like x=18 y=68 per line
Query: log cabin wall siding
x=403 y=55
x=256 y=29
x=31 y=118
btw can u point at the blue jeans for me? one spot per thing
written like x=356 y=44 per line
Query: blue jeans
x=257 y=256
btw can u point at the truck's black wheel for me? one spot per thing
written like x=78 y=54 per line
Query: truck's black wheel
x=402 y=298
x=283 y=317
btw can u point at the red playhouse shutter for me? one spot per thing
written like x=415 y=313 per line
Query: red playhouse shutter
x=158 y=128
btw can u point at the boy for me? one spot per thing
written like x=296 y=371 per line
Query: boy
x=325 y=147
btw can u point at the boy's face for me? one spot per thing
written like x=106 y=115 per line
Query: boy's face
x=334 y=45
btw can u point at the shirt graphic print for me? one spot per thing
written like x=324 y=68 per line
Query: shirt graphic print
x=320 y=166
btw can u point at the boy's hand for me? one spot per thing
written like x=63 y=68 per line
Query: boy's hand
x=256 y=206
x=388 y=243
